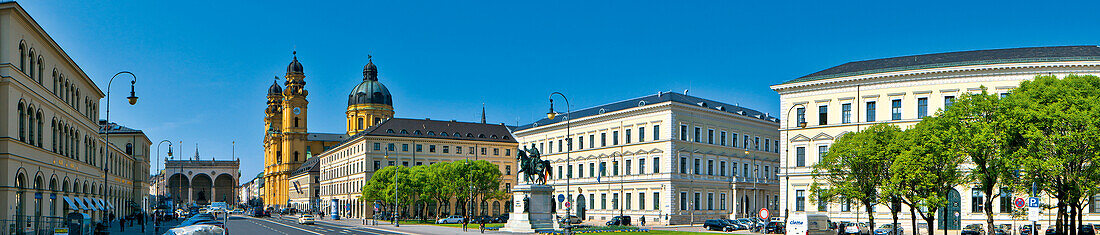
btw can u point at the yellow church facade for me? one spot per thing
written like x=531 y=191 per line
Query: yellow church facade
x=287 y=141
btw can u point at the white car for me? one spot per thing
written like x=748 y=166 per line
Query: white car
x=454 y=219
x=305 y=219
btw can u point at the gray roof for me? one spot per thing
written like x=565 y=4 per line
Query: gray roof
x=326 y=137
x=309 y=166
x=654 y=99
x=426 y=128
x=961 y=58
x=115 y=128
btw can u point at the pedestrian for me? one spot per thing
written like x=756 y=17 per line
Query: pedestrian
x=465 y=223
x=141 y=221
x=642 y=221
x=121 y=224
x=481 y=225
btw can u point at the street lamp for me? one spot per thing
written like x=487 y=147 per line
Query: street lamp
x=787 y=153
x=155 y=221
x=107 y=120
x=550 y=115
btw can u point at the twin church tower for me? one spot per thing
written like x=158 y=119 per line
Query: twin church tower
x=287 y=143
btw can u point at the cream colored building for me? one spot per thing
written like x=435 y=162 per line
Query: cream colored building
x=348 y=166
x=902 y=90
x=305 y=186
x=670 y=157
x=53 y=152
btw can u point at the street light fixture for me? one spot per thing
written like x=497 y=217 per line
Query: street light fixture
x=155 y=214
x=786 y=153
x=569 y=175
x=107 y=120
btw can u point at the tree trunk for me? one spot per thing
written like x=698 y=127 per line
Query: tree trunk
x=1072 y=215
x=913 y=216
x=1061 y=213
x=895 y=208
x=870 y=215
x=989 y=211
x=930 y=219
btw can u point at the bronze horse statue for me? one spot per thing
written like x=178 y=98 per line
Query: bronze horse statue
x=532 y=166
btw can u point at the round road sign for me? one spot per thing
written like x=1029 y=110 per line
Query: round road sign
x=567 y=204
x=763 y=213
x=1019 y=202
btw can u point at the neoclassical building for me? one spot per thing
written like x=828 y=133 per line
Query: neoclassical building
x=670 y=157
x=824 y=105
x=54 y=157
x=200 y=182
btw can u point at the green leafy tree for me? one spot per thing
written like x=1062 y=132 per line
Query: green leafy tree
x=857 y=165
x=1057 y=123
x=927 y=169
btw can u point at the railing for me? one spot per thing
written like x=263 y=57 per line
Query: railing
x=42 y=225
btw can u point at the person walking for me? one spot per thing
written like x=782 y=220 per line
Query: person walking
x=121 y=224
x=642 y=221
x=465 y=224
x=141 y=221
x=481 y=225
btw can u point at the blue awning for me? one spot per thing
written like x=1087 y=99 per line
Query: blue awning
x=95 y=201
x=69 y=201
x=79 y=202
x=91 y=206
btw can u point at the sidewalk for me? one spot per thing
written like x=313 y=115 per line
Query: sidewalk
x=136 y=229
x=406 y=228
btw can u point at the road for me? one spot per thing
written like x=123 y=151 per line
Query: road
x=246 y=225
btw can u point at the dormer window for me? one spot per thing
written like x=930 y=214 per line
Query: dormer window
x=389 y=131
x=443 y=133
x=403 y=131
x=481 y=136
x=494 y=136
x=417 y=132
x=431 y=133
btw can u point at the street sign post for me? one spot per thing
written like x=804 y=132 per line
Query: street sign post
x=764 y=214
x=1019 y=202
x=1033 y=209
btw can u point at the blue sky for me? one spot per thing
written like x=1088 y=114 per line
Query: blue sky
x=203 y=67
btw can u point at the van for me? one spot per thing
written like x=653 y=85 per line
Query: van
x=812 y=224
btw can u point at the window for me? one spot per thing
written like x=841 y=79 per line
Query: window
x=614 y=138
x=614 y=167
x=628 y=202
x=591 y=141
x=733 y=169
x=377 y=164
x=507 y=170
x=628 y=167
x=581 y=141
x=627 y=137
x=641 y=165
x=710 y=136
x=615 y=201
x=922 y=107
x=360 y=120
x=733 y=141
x=710 y=201
x=976 y=201
x=569 y=171
x=846 y=113
x=641 y=199
x=697 y=166
x=767 y=145
x=496 y=151
x=683 y=165
x=559 y=172
x=698 y=133
x=683 y=200
x=603 y=139
x=405 y=147
x=446 y=149
x=722 y=138
x=895 y=110
x=656 y=165
x=1006 y=200
x=420 y=148
x=948 y=101
x=822 y=204
x=800 y=156
x=377 y=146
x=846 y=204
x=823 y=115
x=800 y=115
x=591 y=169
x=603 y=168
x=684 y=132
x=710 y=167
x=431 y=148
x=821 y=151
x=603 y=201
x=800 y=200
x=697 y=201
x=641 y=138
x=656 y=132
x=656 y=202
x=746 y=142
x=870 y=111
x=756 y=143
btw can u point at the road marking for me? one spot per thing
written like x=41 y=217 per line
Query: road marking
x=265 y=226
x=293 y=227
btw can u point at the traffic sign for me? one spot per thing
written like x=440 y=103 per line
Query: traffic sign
x=568 y=204
x=763 y=213
x=561 y=198
x=1019 y=202
x=1033 y=202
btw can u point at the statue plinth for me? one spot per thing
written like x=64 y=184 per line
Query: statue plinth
x=531 y=209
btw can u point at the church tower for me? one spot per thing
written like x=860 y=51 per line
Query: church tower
x=369 y=103
x=273 y=118
x=290 y=140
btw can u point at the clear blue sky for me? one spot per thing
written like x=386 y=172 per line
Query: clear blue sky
x=204 y=66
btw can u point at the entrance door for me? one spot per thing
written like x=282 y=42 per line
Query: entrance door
x=950 y=213
x=581 y=206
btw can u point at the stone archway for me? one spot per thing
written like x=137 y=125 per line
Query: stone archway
x=223 y=189
x=178 y=187
x=201 y=186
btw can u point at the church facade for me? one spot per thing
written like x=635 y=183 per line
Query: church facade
x=287 y=141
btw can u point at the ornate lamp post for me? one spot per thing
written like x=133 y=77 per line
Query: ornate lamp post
x=107 y=126
x=787 y=153
x=162 y=179
x=550 y=115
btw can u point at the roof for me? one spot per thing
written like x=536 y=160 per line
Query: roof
x=660 y=97
x=309 y=166
x=117 y=129
x=327 y=137
x=961 y=58
x=427 y=128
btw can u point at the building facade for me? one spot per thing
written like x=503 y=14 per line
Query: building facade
x=305 y=184
x=670 y=157
x=195 y=182
x=414 y=142
x=54 y=157
x=901 y=91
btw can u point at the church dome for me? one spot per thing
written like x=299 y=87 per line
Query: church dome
x=275 y=88
x=370 y=91
x=294 y=66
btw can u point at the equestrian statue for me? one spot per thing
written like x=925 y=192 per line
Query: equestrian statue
x=532 y=166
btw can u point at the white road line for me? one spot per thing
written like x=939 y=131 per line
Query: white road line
x=294 y=227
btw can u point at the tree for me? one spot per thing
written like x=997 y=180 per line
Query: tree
x=927 y=169
x=857 y=165
x=1056 y=123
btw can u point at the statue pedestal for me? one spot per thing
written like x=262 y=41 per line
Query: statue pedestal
x=537 y=217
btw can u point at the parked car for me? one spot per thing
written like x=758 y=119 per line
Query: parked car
x=570 y=219
x=1087 y=229
x=454 y=219
x=503 y=218
x=479 y=219
x=888 y=229
x=973 y=229
x=856 y=229
x=1026 y=230
x=197 y=229
x=203 y=219
x=305 y=219
x=999 y=232
x=718 y=225
x=737 y=224
x=1052 y=231
x=775 y=227
x=749 y=224
x=620 y=220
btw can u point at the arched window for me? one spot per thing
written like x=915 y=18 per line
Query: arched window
x=31 y=69
x=417 y=132
x=22 y=55
x=389 y=131
x=278 y=156
x=54 y=81
x=130 y=149
x=53 y=137
x=295 y=156
x=41 y=69
x=481 y=136
x=404 y=132
x=30 y=125
x=22 y=123
x=295 y=121
x=443 y=133
x=431 y=133
x=360 y=123
x=38 y=117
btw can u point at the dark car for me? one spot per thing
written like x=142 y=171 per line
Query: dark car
x=718 y=225
x=737 y=225
x=482 y=219
x=1026 y=230
x=775 y=227
x=620 y=220
x=1052 y=231
x=1087 y=229
x=999 y=232
x=973 y=229
x=501 y=219
x=259 y=213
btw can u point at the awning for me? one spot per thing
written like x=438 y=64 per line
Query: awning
x=112 y=205
x=70 y=202
x=79 y=202
x=99 y=204
x=107 y=204
x=91 y=205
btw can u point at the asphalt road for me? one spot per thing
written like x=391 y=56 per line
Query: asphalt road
x=246 y=225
